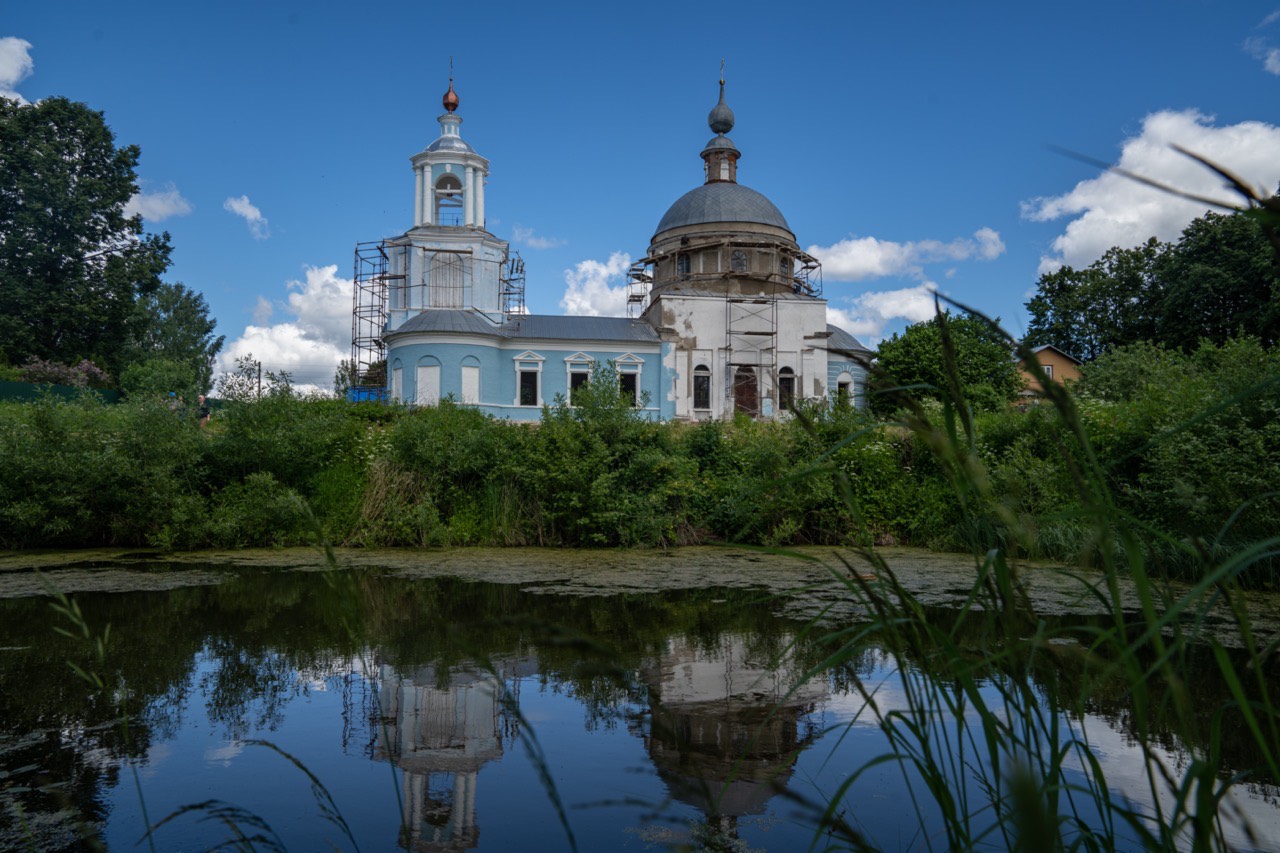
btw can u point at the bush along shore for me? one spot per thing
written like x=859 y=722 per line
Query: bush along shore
x=1190 y=444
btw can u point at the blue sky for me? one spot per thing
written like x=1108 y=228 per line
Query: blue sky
x=906 y=143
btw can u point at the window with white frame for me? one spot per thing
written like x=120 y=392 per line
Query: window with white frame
x=702 y=387
x=528 y=367
x=628 y=368
x=1048 y=370
x=844 y=389
x=578 y=374
x=786 y=388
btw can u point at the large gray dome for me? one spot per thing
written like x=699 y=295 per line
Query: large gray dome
x=722 y=202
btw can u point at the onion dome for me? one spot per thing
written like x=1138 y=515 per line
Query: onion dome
x=451 y=99
x=721 y=117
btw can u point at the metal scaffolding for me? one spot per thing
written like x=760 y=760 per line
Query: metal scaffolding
x=378 y=278
x=791 y=269
x=511 y=284
x=369 y=318
x=752 y=275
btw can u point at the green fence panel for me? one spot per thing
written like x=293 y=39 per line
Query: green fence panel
x=25 y=392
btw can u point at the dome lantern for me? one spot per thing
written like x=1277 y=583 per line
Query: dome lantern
x=721 y=155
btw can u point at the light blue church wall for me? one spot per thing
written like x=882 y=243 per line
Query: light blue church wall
x=498 y=391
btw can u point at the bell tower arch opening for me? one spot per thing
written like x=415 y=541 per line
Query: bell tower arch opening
x=449 y=200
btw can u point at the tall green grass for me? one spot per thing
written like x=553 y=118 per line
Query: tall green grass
x=990 y=738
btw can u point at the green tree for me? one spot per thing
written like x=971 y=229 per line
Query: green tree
x=1113 y=301
x=173 y=324
x=156 y=377
x=72 y=265
x=1217 y=282
x=345 y=377
x=984 y=361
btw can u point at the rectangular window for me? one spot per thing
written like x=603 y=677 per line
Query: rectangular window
x=1048 y=370
x=577 y=379
x=470 y=384
x=528 y=387
x=702 y=390
x=786 y=392
x=630 y=387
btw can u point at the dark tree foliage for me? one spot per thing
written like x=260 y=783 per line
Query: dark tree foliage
x=1086 y=312
x=983 y=361
x=173 y=323
x=72 y=265
x=1216 y=282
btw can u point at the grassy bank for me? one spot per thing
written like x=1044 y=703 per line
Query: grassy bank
x=1189 y=446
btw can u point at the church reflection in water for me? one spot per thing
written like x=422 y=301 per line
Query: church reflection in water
x=721 y=722
x=727 y=723
x=439 y=727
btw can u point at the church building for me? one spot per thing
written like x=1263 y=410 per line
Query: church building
x=729 y=310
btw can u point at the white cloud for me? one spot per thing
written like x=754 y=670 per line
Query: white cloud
x=244 y=208
x=868 y=314
x=859 y=258
x=158 y=206
x=1112 y=210
x=16 y=65
x=526 y=237
x=262 y=311
x=1262 y=49
x=309 y=345
x=589 y=292
x=1270 y=19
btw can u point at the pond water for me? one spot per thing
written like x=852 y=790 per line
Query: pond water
x=493 y=700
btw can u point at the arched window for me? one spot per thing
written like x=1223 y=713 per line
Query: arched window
x=448 y=200
x=397 y=380
x=470 y=379
x=786 y=388
x=844 y=389
x=702 y=387
x=784 y=266
x=682 y=264
x=738 y=261
x=445 y=282
x=428 y=381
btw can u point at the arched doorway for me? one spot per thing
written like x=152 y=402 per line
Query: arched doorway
x=746 y=391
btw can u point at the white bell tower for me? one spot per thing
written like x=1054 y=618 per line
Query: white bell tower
x=447 y=260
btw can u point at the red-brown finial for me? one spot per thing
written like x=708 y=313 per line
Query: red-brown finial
x=451 y=99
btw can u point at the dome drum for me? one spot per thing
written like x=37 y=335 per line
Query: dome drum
x=747 y=266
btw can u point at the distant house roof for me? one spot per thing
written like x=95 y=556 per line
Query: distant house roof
x=550 y=326
x=840 y=340
x=1062 y=353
